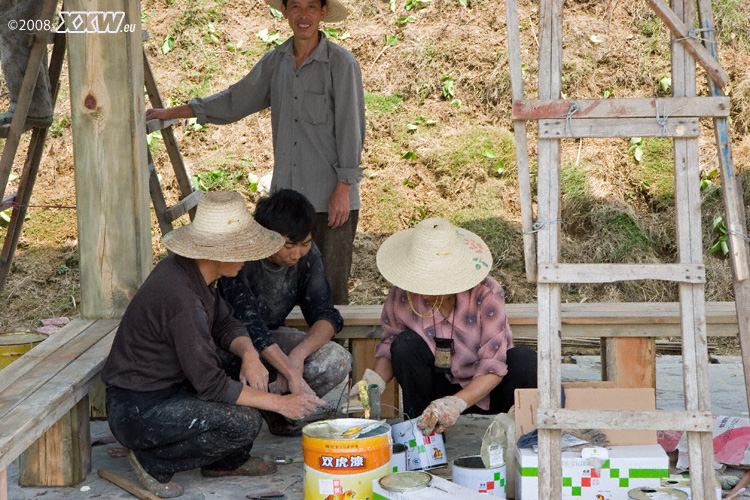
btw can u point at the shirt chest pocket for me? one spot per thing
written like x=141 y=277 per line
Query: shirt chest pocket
x=315 y=108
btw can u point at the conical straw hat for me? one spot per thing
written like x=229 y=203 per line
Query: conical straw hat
x=223 y=230
x=336 y=10
x=434 y=258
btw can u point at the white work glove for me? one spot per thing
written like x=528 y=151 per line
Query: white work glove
x=441 y=414
x=370 y=377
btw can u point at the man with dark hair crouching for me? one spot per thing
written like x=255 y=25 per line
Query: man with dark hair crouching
x=265 y=291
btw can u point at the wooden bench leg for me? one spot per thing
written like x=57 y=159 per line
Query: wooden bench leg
x=629 y=361
x=4 y=484
x=363 y=357
x=98 y=400
x=62 y=456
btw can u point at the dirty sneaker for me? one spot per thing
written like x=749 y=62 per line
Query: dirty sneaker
x=253 y=467
x=161 y=490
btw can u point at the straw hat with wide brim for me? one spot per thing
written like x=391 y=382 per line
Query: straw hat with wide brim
x=336 y=10
x=434 y=258
x=223 y=230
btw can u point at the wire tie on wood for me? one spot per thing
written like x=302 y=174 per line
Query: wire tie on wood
x=739 y=235
x=693 y=33
x=662 y=120
x=539 y=225
x=574 y=108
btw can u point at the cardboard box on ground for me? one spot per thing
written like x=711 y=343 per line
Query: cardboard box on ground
x=632 y=459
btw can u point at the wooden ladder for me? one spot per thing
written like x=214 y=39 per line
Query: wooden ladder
x=676 y=117
x=19 y=200
x=188 y=198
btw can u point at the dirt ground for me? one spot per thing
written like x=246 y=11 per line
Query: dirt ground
x=611 y=48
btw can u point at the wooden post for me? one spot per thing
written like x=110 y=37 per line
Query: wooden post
x=62 y=456
x=629 y=361
x=4 y=484
x=363 y=357
x=107 y=110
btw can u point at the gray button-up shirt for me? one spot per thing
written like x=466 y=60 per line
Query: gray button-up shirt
x=317 y=116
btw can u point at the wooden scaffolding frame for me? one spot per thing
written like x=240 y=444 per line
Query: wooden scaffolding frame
x=676 y=117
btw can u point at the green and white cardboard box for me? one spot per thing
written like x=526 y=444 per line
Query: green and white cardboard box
x=622 y=469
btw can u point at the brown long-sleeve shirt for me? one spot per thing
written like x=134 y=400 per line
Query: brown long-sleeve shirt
x=169 y=334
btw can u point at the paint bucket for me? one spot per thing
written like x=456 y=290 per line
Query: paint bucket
x=341 y=466
x=471 y=473
x=648 y=493
x=15 y=345
x=398 y=458
x=422 y=452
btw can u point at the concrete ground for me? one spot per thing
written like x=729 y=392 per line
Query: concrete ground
x=727 y=398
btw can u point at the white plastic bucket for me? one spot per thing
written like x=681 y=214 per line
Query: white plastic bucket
x=422 y=452
x=471 y=473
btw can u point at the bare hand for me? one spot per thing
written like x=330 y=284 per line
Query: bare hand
x=299 y=406
x=295 y=386
x=254 y=374
x=338 y=208
x=156 y=114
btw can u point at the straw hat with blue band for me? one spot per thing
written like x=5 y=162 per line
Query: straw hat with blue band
x=434 y=258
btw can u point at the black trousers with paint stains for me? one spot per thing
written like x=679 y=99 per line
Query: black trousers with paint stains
x=171 y=430
x=413 y=365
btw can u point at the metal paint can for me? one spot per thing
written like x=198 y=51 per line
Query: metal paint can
x=344 y=467
x=405 y=481
x=15 y=345
x=648 y=493
x=471 y=473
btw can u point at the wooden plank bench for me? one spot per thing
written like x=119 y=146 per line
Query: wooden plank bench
x=44 y=407
x=644 y=320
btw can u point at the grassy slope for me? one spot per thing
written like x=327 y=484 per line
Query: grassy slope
x=425 y=155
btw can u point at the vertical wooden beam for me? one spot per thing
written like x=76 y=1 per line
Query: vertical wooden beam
x=548 y=251
x=107 y=110
x=4 y=484
x=692 y=296
x=363 y=357
x=734 y=206
x=62 y=456
x=522 y=149
x=629 y=361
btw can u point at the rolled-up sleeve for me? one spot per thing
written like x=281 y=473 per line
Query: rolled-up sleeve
x=349 y=118
x=249 y=95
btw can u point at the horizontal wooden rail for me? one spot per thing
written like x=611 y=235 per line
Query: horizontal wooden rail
x=646 y=420
x=674 y=107
x=615 y=127
x=602 y=319
x=608 y=273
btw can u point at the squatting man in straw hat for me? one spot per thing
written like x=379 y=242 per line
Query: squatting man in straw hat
x=446 y=336
x=178 y=392
x=314 y=89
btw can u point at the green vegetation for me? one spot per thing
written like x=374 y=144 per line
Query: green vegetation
x=657 y=168
x=378 y=104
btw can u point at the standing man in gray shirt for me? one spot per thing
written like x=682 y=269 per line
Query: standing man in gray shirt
x=314 y=89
